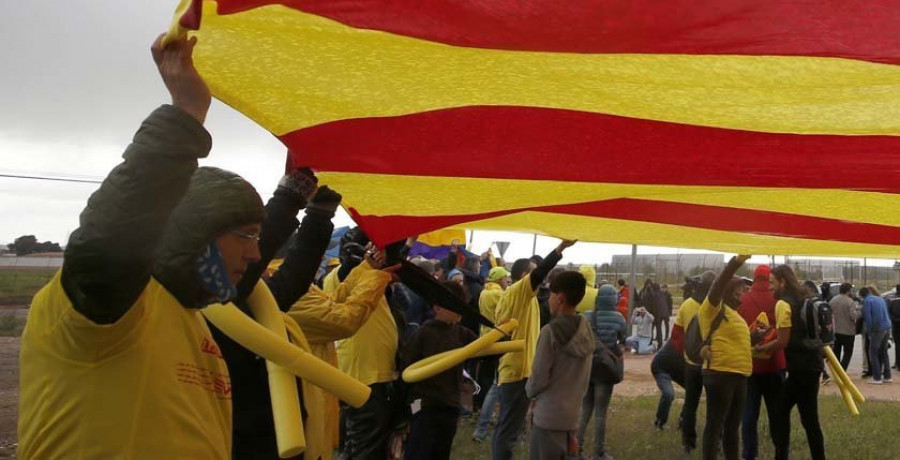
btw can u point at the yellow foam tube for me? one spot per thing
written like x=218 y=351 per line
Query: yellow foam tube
x=432 y=366
x=845 y=391
x=176 y=31
x=499 y=348
x=289 y=434
x=839 y=371
x=265 y=343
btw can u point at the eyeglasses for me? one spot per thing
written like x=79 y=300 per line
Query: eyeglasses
x=247 y=237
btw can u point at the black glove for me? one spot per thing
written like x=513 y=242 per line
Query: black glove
x=325 y=201
x=297 y=186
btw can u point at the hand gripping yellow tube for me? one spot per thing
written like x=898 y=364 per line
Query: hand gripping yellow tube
x=263 y=342
x=282 y=384
x=428 y=368
x=839 y=371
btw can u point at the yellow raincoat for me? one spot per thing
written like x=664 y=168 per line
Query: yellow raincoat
x=339 y=314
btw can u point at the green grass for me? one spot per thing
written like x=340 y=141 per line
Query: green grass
x=11 y=325
x=18 y=286
x=630 y=433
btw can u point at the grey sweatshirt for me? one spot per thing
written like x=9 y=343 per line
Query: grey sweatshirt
x=561 y=371
x=845 y=313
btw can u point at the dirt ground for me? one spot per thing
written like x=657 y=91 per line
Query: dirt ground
x=9 y=394
x=638 y=382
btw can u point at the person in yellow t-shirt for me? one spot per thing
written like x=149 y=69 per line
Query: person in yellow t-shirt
x=368 y=356
x=727 y=362
x=519 y=302
x=117 y=360
x=696 y=289
x=497 y=282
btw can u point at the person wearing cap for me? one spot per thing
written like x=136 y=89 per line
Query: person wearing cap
x=497 y=282
x=370 y=356
x=117 y=360
x=767 y=381
x=693 y=379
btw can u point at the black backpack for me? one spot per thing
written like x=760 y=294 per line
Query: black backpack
x=818 y=318
x=693 y=339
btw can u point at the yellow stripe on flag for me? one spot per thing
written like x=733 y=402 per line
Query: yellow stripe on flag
x=288 y=70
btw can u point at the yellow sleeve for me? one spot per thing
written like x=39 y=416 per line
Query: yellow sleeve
x=782 y=315
x=325 y=318
x=514 y=299
x=682 y=319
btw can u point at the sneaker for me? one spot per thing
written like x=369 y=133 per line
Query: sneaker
x=888 y=380
x=866 y=374
x=873 y=382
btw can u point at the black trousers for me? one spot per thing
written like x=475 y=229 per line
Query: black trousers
x=843 y=348
x=896 y=331
x=768 y=387
x=368 y=428
x=431 y=433
x=485 y=375
x=800 y=389
x=693 y=389
x=661 y=324
x=725 y=394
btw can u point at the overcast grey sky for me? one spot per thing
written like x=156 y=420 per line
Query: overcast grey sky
x=77 y=81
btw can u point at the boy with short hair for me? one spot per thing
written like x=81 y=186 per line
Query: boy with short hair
x=436 y=400
x=561 y=370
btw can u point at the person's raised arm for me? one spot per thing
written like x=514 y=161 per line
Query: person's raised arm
x=718 y=287
x=297 y=273
x=293 y=192
x=538 y=274
x=109 y=258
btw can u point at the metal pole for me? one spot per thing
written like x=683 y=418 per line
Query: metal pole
x=865 y=275
x=534 y=245
x=633 y=283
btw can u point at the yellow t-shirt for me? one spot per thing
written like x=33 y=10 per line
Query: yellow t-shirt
x=487 y=303
x=151 y=385
x=369 y=355
x=730 y=349
x=686 y=313
x=587 y=303
x=519 y=302
x=782 y=315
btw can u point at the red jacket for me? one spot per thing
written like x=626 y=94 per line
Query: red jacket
x=622 y=307
x=761 y=299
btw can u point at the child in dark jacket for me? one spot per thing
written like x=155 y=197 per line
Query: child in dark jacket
x=436 y=401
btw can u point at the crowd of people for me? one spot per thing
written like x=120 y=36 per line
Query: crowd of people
x=119 y=361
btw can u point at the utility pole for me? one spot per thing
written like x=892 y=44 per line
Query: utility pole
x=632 y=287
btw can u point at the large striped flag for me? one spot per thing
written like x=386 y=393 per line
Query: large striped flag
x=768 y=127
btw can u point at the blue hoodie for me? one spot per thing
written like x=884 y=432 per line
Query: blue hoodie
x=875 y=314
x=610 y=325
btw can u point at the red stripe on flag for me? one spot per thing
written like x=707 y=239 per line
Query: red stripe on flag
x=857 y=29
x=385 y=229
x=550 y=144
